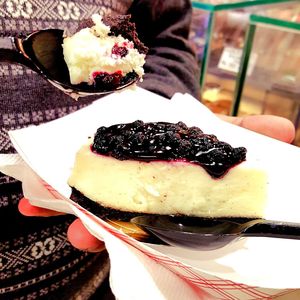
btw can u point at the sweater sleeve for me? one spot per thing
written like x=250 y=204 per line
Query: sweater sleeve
x=171 y=65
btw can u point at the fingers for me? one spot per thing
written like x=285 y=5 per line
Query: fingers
x=273 y=126
x=81 y=239
x=78 y=235
x=29 y=210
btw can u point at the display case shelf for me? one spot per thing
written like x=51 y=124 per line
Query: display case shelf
x=216 y=5
x=218 y=35
x=273 y=38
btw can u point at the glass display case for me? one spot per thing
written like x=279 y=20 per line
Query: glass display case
x=269 y=76
x=218 y=35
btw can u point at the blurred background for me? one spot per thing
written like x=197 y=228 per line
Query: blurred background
x=249 y=54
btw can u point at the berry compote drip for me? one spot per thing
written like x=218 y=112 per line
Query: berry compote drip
x=167 y=141
x=107 y=81
x=110 y=81
x=119 y=51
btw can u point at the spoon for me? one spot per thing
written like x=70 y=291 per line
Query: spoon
x=42 y=52
x=210 y=234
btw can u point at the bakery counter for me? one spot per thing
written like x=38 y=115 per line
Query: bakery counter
x=270 y=65
x=218 y=35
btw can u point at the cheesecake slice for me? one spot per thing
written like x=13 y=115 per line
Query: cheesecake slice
x=168 y=169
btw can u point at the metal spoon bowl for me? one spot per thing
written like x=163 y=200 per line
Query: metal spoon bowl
x=42 y=52
x=211 y=234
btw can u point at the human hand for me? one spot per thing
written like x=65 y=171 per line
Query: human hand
x=77 y=234
x=275 y=127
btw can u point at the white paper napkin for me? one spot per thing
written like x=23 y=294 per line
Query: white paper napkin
x=132 y=272
x=138 y=272
x=249 y=269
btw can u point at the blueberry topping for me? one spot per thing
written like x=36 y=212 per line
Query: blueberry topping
x=119 y=51
x=129 y=77
x=106 y=81
x=167 y=141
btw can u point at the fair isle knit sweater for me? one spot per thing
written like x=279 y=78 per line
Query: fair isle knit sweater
x=36 y=260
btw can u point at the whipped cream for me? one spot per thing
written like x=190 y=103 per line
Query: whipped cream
x=90 y=51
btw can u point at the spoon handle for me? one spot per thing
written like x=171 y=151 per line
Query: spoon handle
x=275 y=229
x=11 y=50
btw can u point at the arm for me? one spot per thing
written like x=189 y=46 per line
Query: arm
x=171 y=65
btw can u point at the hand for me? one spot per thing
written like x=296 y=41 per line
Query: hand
x=275 y=127
x=77 y=234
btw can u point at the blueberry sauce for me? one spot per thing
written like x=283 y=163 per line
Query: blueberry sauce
x=119 y=51
x=111 y=81
x=107 y=80
x=169 y=142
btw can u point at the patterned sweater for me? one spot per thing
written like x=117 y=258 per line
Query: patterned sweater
x=36 y=260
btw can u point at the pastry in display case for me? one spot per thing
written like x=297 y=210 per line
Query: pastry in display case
x=218 y=34
x=269 y=75
x=216 y=99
